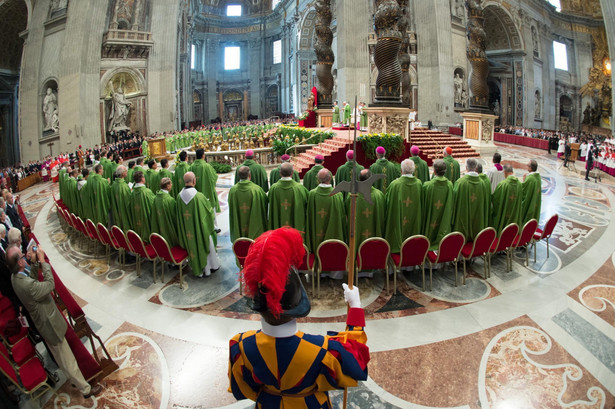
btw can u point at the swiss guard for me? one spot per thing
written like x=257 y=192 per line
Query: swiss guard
x=279 y=366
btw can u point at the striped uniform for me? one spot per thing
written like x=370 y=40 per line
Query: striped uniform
x=297 y=371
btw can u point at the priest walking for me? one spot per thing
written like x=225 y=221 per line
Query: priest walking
x=506 y=201
x=195 y=228
x=421 y=170
x=344 y=172
x=472 y=202
x=141 y=203
x=164 y=214
x=287 y=201
x=274 y=176
x=247 y=207
x=121 y=210
x=383 y=166
x=532 y=194
x=258 y=172
x=438 y=205
x=326 y=218
x=370 y=217
x=206 y=179
x=180 y=169
x=310 y=179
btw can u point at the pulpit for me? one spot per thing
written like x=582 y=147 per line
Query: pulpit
x=157 y=148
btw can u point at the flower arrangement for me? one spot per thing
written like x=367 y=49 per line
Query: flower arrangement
x=303 y=116
x=285 y=137
x=393 y=143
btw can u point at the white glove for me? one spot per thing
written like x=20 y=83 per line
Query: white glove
x=352 y=296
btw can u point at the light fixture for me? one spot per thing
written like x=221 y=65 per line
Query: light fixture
x=607 y=66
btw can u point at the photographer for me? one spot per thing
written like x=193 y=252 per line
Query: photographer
x=591 y=155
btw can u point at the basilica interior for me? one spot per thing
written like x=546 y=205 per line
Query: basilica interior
x=541 y=335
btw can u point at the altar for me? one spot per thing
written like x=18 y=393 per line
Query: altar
x=157 y=148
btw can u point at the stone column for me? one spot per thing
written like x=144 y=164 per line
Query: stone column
x=404 y=57
x=479 y=98
x=324 y=54
x=608 y=13
x=386 y=53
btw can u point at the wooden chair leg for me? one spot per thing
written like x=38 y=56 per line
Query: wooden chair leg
x=423 y=272
x=430 y=276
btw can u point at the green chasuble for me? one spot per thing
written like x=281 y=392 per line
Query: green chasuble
x=120 y=204
x=152 y=181
x=453 y=173
x=485 y=179
x=165 y=173
x=247 y=210
x=107 y=169
x=363 y=120
x=129 y=174
x=344 y=172
x=141 y=202
x=404 y=199
x=206 y=179
x=274 y=176
x=347 y=114
x=532 y=197
x=137 y=169
x=470 y=212
x=98 y=199
x=370 y=218
x=287 y=204
x=70 y=189
x=310 y=179
x=61 y=175
x=164 y=217
x=336 y=115
x=391 y=170
x=326 y=217
x=437 y=209
x=144 y=149
x=506 y=204
x=258 y=174
x=84 y=202
x=421 y=170
x=178 y=177
x=195 y=227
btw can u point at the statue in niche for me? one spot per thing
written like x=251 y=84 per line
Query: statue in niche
x=55 y=121
x=119 y=110
x=535 y=41
x=58 y=5
x=537 y=105
x=587 y=115
x=458 y=9
x=458 y=83
x=50 y=105
x=496 y=108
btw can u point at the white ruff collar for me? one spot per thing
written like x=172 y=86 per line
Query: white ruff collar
x=187 y=194
x=280 y=331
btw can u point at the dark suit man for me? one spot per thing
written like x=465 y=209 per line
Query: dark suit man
x=12 y=213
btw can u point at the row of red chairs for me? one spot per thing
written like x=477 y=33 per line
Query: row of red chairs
x=375 y=253
x=19 y=361
x=157 y=250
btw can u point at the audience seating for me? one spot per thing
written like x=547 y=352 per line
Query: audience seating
x=121 y=241
x=525 y=238
x=92 y=234
x=240 y=249
x=332 y=255
x=479 y=248
x=412 y=253
x=545 y=234
x=504 y=243
x=142 y=250
x=373 y=254
x=176 y=255
x=30 y=377
x=107 y=240
x=448 y=252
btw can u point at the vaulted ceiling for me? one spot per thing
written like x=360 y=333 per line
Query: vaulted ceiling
x=14 y=18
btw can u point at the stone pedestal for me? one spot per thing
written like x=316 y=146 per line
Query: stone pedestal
x=325 y=118
x=388 y=120
x=478 y=131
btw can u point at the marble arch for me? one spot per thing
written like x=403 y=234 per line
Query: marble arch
x=502 y=32
x=135 y=75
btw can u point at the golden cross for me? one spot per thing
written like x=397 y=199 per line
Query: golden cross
x=286 y=223
x=473 y=197
x=192 y=254
x=366 y=234
x=244 y=208
x=189 y=236
x=367 y=213
x=285 y=204
x=434 y=224
x=139 y=223
x=187 y=215
x=137 y=207
x=403 y=223
x=408 y=201
x=512 y=197
x=159 y=212
x=438 y=204
x=322 y=213
x=320 y=234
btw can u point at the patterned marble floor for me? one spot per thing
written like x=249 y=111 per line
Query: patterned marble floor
x=541 y=336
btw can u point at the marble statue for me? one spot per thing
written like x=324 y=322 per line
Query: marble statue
x=537 y=107
x=496 y=108
x=458 y=83
x=535 y=40
x=587 y=114
x=119 y=110
x=55 y=121
x=50 y=105
x=58 y=4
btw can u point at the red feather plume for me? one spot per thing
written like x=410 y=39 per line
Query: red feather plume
x=268 y=262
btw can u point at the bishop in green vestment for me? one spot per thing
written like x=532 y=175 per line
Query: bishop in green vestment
x=453 y=172
x=274 y=176
x=164 y=170
x=336 y=113
x=506 y=201
x=195 y=228
x=98 y=197
x=141 y=203
x=108 y=166
x=532 y=194
x=437 y=205
x=310 y=179
x=180 y=170
x=139 y=167
x=258 y=172
x=287 y=201
x=370 y=218
x=84 y=205
x=404 y=199
x=383 y=166
x=61 y=175
x=326 y=215
x=247 y=204
x=71 y=191
x=120 y=200
x=206 y=179
x=129 y=173
x=151 y=176
x=421 y=170
x=471 y=195
x=164 y=214
x=347 y=113
x=344 y=172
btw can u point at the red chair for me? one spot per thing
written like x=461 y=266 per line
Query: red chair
x=121 y=240
x=504 y=243
x=92 y=234
x=21 y=352
x=448 y=252
x=545 y=234
x=176 y=255
x=332 y=255
x=142 y=251
x=373 y=254
x=525 y=238
x=479 y=248
x=107 y=240
x=73 y=222
x=32 y=374
x=412 y=253
x=240 y=249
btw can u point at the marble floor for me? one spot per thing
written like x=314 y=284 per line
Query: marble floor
x=541 y=336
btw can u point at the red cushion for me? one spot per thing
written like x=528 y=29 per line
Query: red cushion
x=396 y=258
x=32 y=374
x=22 y=351
x=516 y=241
x=311 y=259
x=494 y=246
x=466 y=250
x=432 y=256
x=22 y=333
x=538 y=234
x=179 y=254
x=150 y=251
